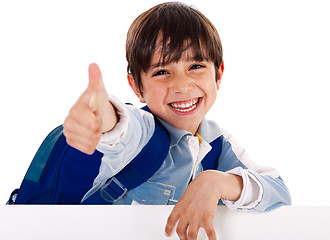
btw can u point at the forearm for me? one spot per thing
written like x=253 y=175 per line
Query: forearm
x=228 y=186
x=231 y=186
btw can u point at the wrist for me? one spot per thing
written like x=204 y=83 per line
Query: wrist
x=226 y=186
x=110 y=118
x=231 y=187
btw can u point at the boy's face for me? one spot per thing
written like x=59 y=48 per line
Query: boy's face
x=180 y=93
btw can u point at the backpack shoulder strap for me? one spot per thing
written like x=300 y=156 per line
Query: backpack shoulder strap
x=211 y=159
x=139 y=170
x=44 y=152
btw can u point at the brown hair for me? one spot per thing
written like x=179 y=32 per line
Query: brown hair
x=178 y=25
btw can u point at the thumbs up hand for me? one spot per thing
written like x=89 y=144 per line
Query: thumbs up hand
x=91 y=115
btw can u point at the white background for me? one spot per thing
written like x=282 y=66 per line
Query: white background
x=93 y=222
x=273 y=97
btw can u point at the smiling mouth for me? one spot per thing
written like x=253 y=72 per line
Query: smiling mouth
x=185 y=106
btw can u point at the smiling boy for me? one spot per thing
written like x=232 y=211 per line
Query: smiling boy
x=175 y=66
x=181 y=92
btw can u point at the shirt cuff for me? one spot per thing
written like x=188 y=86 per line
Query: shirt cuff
x=251 y=193
x=114 y=136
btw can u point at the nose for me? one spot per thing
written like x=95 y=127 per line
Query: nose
x=182 y=84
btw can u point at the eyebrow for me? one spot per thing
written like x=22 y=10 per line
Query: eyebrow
x=162 y=64
x=156 y=65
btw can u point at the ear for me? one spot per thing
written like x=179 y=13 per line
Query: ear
x=135 y=88
x=219 y=75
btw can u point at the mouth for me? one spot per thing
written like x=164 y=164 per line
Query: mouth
x=186 y=106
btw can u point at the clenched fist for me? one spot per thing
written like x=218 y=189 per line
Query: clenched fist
x=91 y=115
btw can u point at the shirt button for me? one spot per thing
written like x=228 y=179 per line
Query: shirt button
x=192 y=141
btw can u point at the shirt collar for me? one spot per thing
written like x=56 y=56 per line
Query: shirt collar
x=175 y=134
x=208 y=130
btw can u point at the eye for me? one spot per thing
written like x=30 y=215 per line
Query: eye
x=160 y=72
x=196 y=66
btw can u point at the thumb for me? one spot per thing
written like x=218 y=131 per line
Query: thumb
x=95 y=78
x=95 y=85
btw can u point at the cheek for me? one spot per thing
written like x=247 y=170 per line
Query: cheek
x=209 y=86
x=155 y=93
x=211 y=91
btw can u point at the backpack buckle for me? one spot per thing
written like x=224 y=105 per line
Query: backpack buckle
x=113 y=190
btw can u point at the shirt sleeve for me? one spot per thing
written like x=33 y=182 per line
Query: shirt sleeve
x=250 y=195
x=263 y=188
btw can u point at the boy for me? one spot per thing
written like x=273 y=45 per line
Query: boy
x=175 y=66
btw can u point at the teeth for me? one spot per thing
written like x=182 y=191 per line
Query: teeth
x=185 y=107
x=186 y=110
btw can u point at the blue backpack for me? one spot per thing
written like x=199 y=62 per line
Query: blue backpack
x=61 y=174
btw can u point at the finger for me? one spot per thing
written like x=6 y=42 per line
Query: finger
x=171 y=221
x=83 y=137
x=193 y=230
x=83 y=148
x=82 y=131
x=84 y=144
x=95 y=77
x=209 y=229
x=95 y=85
x=84 y=99
x=92 y=104
x=181 y=229
x=81 y=115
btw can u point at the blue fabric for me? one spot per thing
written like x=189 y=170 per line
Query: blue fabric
x=211 y=159
x=65 y=177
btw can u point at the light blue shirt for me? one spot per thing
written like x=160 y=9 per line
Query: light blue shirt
x=263 y=188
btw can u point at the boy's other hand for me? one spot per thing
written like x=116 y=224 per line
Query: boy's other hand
x=91 y=115
x=197 y=206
